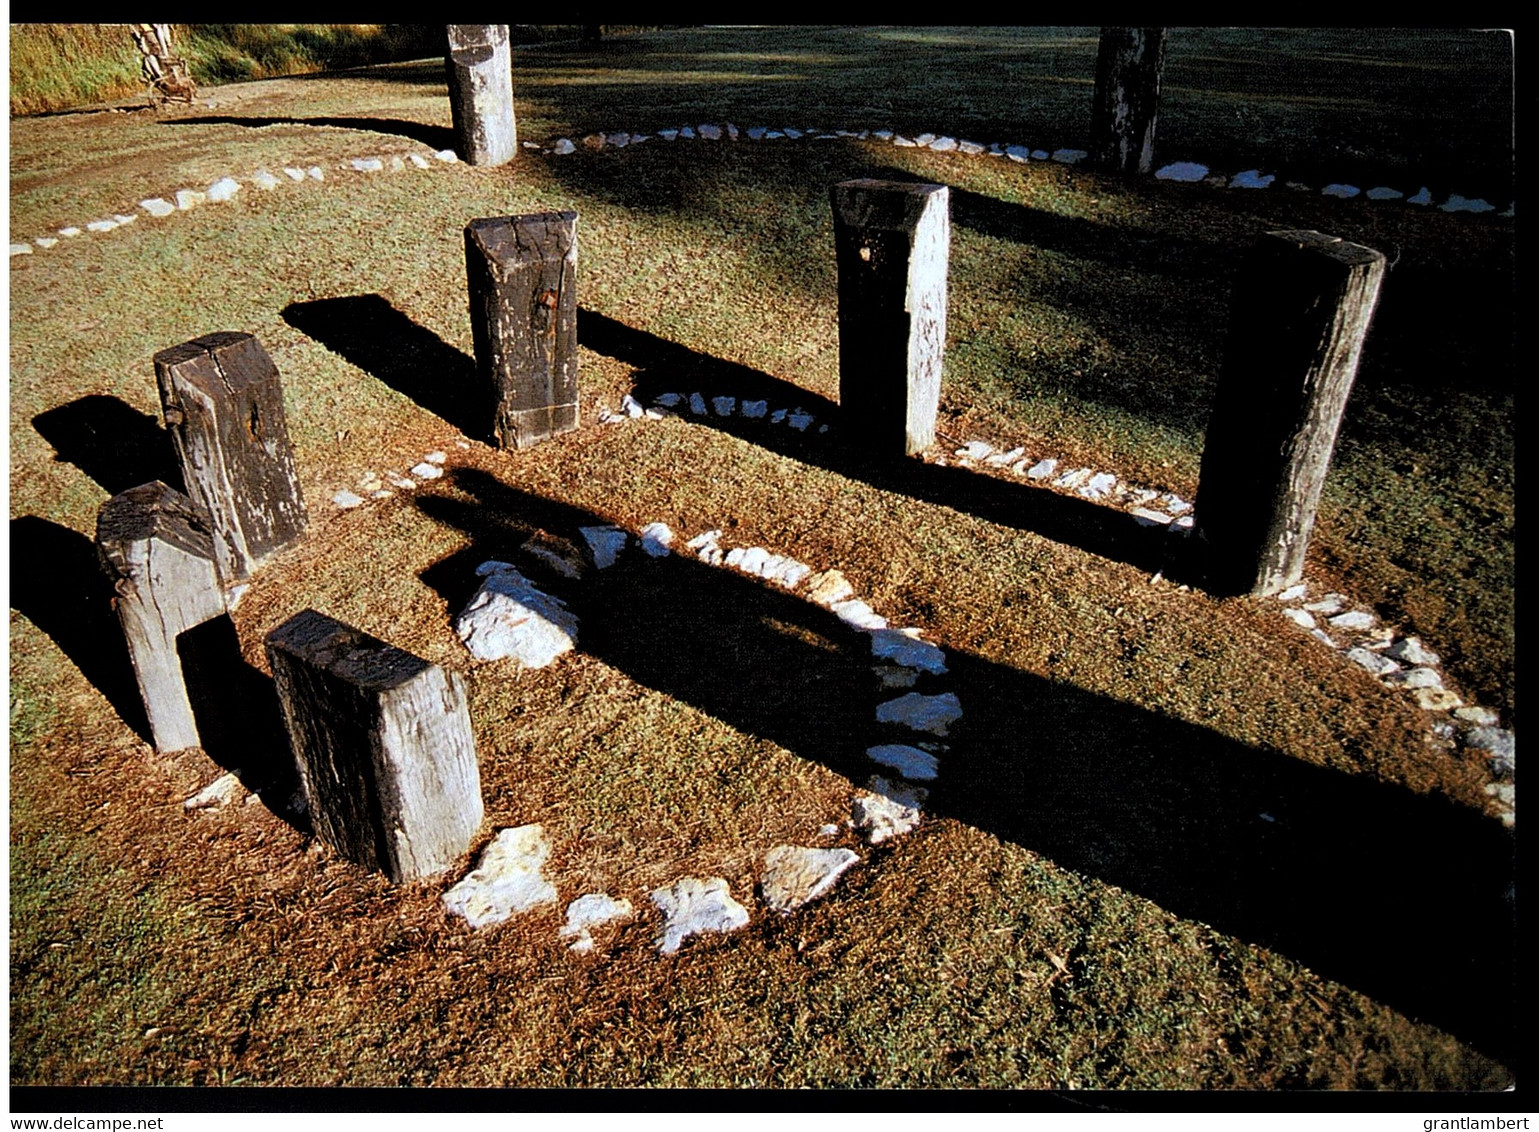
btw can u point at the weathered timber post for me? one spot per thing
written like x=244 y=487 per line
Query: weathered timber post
x=1128 y=68
x=1301 y=308
x=892 y=243
x=480 y=64
x=383 y=743
x=522 y=273
x=155 y=546
x=223 y=403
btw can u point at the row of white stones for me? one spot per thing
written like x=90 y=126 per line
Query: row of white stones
x=1397 y=662
x=225 y=189
x=1180 y=171
x=507 y=879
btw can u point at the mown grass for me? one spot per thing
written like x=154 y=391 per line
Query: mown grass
x=1095 y=901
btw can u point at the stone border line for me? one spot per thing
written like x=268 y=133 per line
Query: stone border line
x=1396 y=661
x=1179 y=171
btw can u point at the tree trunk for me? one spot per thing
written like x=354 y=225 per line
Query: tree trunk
x=155 y=546
x=1301 y=309
x=480 y=65
x=384 y=746
x=223 y=403
x=892 y=241
x=522 y=273
x=1128 y=69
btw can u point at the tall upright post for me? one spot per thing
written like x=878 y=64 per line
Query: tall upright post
x=223 y=403
x=480 y=65
x=383 y=743
x=155 y=546
x=892 y=243
x=522 y=274
x=1301 y=309
x=1128 y=70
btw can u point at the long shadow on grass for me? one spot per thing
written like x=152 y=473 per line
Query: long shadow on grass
x=112 y=442
x=663 y=366
x=434 y=137
x=1399 y=896
x=58 y=584
x=380 y=340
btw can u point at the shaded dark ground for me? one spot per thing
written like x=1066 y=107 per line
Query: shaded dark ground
x=1402 y=897
x=112 y=442
x=434 y=137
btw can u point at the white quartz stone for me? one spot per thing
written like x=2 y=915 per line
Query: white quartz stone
x=589 y=911
x=656 y=538
x=1293 y=593
x=266 y=181
x=1251 y=179
x=448 y=156
x=415 y=158
x=1372 y=661
x=1300 y=618
x=724 y=406
x=1382 y=192
x=1185 y=171
x=315 y=173
x=903 y=647
x=975 y=450
x=223 y=189
x=1345 y=192
x=295 y=174
x=829 y=588
x=697 y=404
x=911 y=762
x=710 y=132
x=1411 y=651
x=189 y=198
x=934 y=714
x=1456 y=203
x=509 y=617
x=605 y=543
x=695 y=905
x=346 y=499
x=565 y=146
x=506 y=880
x=887 y=810
x=1069 y=156
x=800 y=420
x=1042 y=469
x=21 y=249
x=426 y=471
x=220 y=792
x=1354 y=619
x=858 y=614
x=794 y=875
x=101 y=225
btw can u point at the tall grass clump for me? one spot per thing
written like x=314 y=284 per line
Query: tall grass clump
x=56 y=66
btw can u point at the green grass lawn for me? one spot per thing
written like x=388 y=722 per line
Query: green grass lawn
x=1176 y=844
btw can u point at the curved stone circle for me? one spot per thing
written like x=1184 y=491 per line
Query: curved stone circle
x=1376 y=648
x=1179 y=171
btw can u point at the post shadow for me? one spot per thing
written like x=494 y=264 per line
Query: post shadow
x=434 y=137
x=58 y=584
x=386 y=344
x=664 y=366
x=112 y=442
x=1401 y=896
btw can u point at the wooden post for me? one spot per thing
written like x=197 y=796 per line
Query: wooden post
x=156 y=548
x=223 y=404
x=522 y=274
x=1128 y=68
x=1301 y=308
x=892 y=242
x=480 y=63
x=383 y=744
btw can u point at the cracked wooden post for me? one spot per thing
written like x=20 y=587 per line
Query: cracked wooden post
x=383 y=743
x=892 y=242
x=223 y=404
x=1301 y=309
x=1128 y=68
x=522 y=273
x=155 y=546
x=480 y=64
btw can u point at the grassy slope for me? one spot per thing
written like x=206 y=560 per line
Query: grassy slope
x=1115 y=832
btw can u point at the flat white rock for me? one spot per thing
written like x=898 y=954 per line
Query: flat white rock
x=101 y=225
x=220 y=792
x=1099 y=486
x=426 y=471
x=264 y=180
x=1042 y=469
x=1372 y=661
x=794 y=875
x=606 y=543
x=1251 y=179
x=448 y=156
x=509 y=617
x=911 y=762
x=755 y=409
x=506 y=880
x=345 y=499
x=293 y=174
x=1479 y=716
x=697 y=404
x=710 y=132
x=971 y=148
x=1020 y=154
x=724 y=405
x=1293 y=593
x=887 y=810
x=975 y=450
x=50 y=241
x=858 y=614
x=1300 y=618
x=903 y=647
x=1330 y=603
x=934 y=714
x=1147 y=518
x=1181 y=171
x=21 y=249
x=1354 y=619
x=1456 y=203
x=315 y=173
x=1069 y=156
x=368 y=164
x=1040 y=155
x=1415 y=678
x=415 y=158
x=656 y=539
x=799 y=421
x=829 y=588
x=1412 y=651
x=189 y=198
x=1383 y=192
x=1345 y=192
x=223 y=189
x=693 y=906
x=589 y=911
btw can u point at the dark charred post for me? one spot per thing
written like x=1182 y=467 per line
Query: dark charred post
x=1127 y=98
x=223 y=403
x=480 y=64
x=383 y=744
x=892 y=243
x=522 y=273
x=1300 y=312
x=155 y=546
